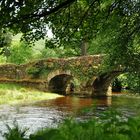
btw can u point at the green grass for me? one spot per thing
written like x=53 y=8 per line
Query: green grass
x=12 y=94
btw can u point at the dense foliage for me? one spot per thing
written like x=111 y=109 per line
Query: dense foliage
x=130 y=81
x=5 y=42
x=20 y=53
x=29 y=16
x=77 y=23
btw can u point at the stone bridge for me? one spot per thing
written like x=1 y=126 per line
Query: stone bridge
x=78 y=75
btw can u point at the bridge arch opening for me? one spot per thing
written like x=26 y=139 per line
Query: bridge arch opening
x=116 y=85
x=59 y=83
x=120 y=83
x=102 y=85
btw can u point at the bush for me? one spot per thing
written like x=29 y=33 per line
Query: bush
x=15 y=133
x=20 y=53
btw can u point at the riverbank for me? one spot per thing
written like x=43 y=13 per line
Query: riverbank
x=14 y=94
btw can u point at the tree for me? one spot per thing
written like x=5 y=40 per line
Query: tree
x=119 y=40
x=5 y=42
x=123 y=40
x=20 y=53
x=75 y=22
x=75 y=26
x=29 y=15
x=33 y=21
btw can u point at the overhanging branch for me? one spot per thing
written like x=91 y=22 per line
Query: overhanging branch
x=53 y=10
x=45 y=13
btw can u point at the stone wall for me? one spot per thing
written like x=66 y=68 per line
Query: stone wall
x=40 y=73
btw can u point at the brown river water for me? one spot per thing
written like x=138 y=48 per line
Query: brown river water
x=49 y=113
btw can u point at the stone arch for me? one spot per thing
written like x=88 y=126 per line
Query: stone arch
x=57 y=72
x=101 y=85
x=58 y=81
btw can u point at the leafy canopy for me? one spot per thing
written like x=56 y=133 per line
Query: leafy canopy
x=114 y=23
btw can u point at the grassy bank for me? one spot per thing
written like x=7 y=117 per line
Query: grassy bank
x=111 y=126
x=12 y=94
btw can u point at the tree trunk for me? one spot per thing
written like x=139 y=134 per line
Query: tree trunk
x=84 y=47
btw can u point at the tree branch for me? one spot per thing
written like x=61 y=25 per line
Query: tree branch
x=56 y=9
x=33 y=16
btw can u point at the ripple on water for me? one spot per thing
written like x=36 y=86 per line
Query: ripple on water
x=30 y=117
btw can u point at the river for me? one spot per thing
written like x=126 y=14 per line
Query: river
x=49 y=113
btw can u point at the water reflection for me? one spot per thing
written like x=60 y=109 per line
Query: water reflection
x=73 y=104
